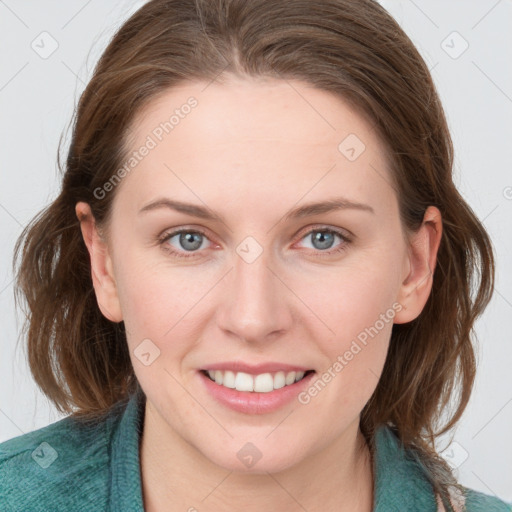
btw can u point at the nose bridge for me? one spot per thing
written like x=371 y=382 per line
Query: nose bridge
x=255 y=305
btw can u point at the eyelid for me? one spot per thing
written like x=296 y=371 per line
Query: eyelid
x=345 y=233
x=172 y=232
x=337 y=250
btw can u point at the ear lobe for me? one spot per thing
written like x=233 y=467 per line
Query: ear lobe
x=101 y=265
x=421 y=262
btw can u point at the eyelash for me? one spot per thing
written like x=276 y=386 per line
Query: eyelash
x=163 y=239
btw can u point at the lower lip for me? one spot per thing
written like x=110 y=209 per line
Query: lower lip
x=252 y=402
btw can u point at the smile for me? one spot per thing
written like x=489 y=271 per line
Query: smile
x=262 y=383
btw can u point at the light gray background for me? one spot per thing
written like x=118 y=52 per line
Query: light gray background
x=37 y=97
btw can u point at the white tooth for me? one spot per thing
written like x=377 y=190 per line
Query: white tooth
x=264 y=383
x=279 y=380
x=229 y=379
x=244 y=382
x=290 y=378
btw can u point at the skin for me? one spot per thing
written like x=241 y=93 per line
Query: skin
x=251 y=151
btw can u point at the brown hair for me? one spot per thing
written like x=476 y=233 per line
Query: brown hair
x=352 y=48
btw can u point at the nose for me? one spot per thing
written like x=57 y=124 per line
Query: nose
x=256 y=301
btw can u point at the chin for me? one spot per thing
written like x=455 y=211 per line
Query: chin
x=251 y=458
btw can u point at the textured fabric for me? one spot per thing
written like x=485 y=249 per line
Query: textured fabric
x=72 y=466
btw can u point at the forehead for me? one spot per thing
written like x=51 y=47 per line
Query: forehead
x=265 y=138
x=263 y=109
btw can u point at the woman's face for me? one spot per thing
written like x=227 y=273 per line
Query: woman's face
x=254 y=281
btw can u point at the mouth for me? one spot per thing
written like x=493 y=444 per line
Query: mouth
x=261 y=383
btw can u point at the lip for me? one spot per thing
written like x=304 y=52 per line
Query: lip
x=255 y=369
x=251 y=402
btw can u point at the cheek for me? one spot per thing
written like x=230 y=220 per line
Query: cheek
x=159 y=324
x=159 y=302
x=361 y=317
x=357 y=305
x=353 y=297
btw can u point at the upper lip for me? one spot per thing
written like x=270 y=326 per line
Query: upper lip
x=255 y=369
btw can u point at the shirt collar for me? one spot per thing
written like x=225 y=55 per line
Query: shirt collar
x=400 y=483
x=125 y=474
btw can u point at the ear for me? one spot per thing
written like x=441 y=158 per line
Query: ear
x=419 y=266
x=101 y=265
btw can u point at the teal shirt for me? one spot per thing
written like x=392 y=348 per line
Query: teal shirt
x=72 y=466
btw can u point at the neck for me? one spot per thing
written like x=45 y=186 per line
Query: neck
x=176 y=476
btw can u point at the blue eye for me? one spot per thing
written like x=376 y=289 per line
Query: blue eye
x=191 y=240
x=324 y=238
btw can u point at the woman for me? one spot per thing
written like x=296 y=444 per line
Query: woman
x=253 y=292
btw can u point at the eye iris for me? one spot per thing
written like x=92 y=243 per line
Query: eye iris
x=321 y=237
x=188 y=237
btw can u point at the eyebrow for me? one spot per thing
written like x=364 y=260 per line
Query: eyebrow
x=307 y=210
